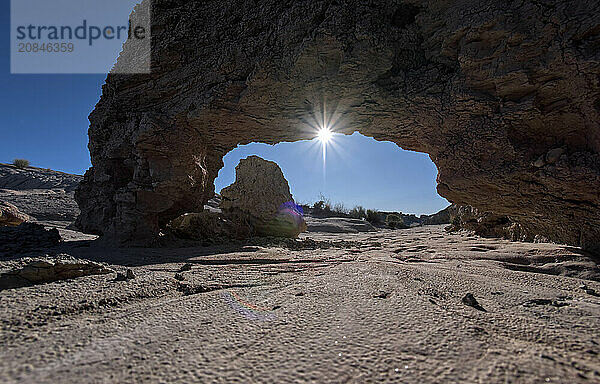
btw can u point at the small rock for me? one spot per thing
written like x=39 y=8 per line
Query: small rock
x=583 y=286
x=592 y=292
x=185 y=267
x=470 y=300
x=121 y=276
x=381 y=294
x=554 y=154
x=539 y=162
x=179 y=276
x=50 y=269
x=128 y=275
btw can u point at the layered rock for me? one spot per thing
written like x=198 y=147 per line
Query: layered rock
x=20 y=179
x=49 y=269
x=42 y=194
x=504 y=96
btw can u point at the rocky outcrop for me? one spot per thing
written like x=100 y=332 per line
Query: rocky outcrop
x=211 y=227
x=258 y=203
x=504 y=96
x=488 y=224
x=258 y=191
x=441 y=217
x=11 y=216
x=43 y=194
x=27 y=237
x=338 y=225
x=50 y=269
x=20 y=179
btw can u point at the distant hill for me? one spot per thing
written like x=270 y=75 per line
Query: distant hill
x=18 y=179
x=43 y=194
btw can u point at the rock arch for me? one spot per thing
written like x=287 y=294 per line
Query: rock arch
x=504 y=97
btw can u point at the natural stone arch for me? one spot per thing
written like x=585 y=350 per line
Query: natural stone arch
x=487 y=88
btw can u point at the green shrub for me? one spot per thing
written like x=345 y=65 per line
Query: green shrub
x=20 y=163
x=340 y=209
x=358 y=212
x=395 y=221
x=374 y=217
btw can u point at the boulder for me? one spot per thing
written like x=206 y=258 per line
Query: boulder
x=258 y=203
x=11 y=216
x=210 y=227
x=260 y=196
x=259 y=189
x=338 y=225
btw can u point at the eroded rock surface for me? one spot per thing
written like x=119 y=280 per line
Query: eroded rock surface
x=43 y=194
x=10 y=215
x=488 y=224
x=49 y=269
x=504 y=96
x=259 y=189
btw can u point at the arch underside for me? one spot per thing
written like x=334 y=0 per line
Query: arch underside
x=492 y=95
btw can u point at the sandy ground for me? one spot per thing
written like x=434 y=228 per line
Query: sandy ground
x=378 y=307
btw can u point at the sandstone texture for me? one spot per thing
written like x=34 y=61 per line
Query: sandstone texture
x=338 y=225
x=504 y=97
x=43 y=194
x=49 y=269
x=258 y=191
x=10 y=215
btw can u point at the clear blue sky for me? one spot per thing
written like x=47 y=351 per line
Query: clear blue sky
x=44 y=120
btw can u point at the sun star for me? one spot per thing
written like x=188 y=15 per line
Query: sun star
x=324 y=135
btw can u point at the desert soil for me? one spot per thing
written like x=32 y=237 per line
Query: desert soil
x=371 y=307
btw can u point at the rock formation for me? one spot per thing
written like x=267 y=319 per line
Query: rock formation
x=441 y=217
x=488 y=224
x=11 y=216
x=258 y=191
x=259 y=202
x=504 y=96
x=43 y=194
x=19 y=179
x=27 y=237
x=49 y=269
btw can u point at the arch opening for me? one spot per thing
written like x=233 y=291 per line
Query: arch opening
x=349 y=171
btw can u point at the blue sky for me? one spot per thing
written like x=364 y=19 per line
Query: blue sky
x=43 y=118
